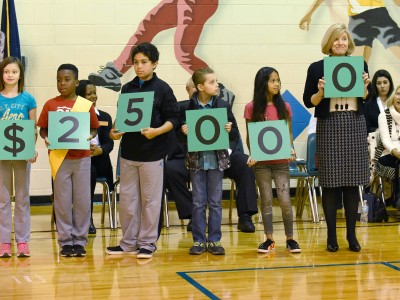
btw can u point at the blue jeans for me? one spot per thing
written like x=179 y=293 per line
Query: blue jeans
x=206 y=186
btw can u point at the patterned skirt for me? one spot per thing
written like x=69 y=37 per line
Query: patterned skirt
x=342 y=150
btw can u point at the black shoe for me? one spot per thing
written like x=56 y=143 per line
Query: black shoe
x=92 y=229
x=79 y=251
x=355 y=247
x=332 y=247
x=215 y=248
x=67 y=251
x=245 y=223
x=197 y=248
x=144 y=253
x=189 y=226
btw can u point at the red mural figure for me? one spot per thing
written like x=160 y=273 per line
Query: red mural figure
x=189 y=18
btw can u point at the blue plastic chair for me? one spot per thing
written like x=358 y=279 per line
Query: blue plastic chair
x=313 y=169
x=303 y=189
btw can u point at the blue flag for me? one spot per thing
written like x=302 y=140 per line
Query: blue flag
x=9 y=30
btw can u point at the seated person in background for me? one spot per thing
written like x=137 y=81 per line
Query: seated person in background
x=100 y=146
x=389 y=127
x=382 y=88
x=177 y=176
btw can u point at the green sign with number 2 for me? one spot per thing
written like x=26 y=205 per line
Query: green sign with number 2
x=69 y=130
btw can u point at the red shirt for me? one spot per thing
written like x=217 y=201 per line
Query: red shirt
x=60 y=104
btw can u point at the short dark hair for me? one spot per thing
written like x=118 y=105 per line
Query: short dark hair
x=70 y=67
x=81 y=88
x=147 y=49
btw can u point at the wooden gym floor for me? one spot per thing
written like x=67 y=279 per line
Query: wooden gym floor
x=373 y=273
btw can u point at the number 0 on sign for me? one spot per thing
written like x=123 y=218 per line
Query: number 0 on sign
x=69 y=130
x=269 y=140
x=207 y=129
x=343 y=76
x=134 y=111
x=17 y=138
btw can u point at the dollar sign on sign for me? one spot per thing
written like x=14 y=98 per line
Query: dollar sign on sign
x=10 y=133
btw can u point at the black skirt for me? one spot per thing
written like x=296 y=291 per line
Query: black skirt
x=342 y=150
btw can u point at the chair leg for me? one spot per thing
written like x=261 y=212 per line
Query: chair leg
x=312 y=205
x=103 y=206
x=315 y=202
x=231 y=199
x=114 y=205
x=106 y=192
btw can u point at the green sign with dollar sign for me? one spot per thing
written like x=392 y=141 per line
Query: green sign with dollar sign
x=17 y=139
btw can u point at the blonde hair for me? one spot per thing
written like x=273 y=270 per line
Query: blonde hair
x=334 y=32
x=390 y=101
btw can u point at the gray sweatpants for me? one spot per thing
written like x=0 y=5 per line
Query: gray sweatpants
x=141 y=185
x=22 y=218
x=72 y=201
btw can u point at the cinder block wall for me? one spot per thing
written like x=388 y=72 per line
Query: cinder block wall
x=241 y=37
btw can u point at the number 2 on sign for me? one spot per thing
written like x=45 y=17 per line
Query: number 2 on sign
x=69 y=130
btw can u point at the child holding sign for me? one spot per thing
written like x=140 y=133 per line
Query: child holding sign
x=207 y=168
x=268 y=105
x=72 y=180
x=15 y=104
x=142 y=158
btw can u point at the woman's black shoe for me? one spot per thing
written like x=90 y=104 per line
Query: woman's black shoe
x=92 y=229
x=332 y=248
x=355 y=247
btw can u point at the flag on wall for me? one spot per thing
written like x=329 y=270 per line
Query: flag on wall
x=9 y=39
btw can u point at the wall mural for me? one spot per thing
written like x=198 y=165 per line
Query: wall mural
x=368 y=20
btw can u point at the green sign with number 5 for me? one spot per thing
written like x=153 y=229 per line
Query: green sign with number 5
x=17 y=138
x=69 y=130
x=134 y=111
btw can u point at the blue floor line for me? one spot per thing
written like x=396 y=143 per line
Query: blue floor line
x=197 y=285
x=388 y=264
x=209 y=294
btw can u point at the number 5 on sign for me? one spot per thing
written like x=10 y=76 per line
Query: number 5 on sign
x=69 y=130
x=17 y=138
x=134 y=111
x=207 y=129
x=269 y=140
